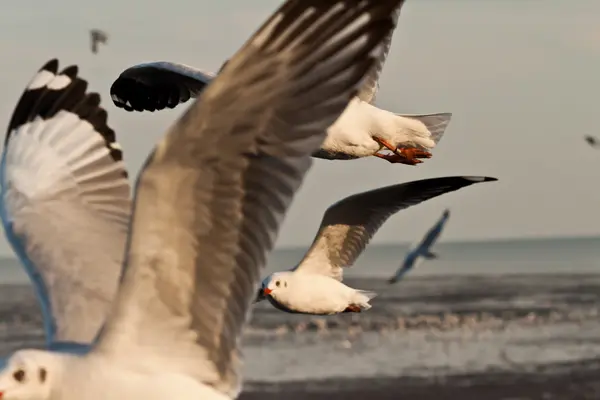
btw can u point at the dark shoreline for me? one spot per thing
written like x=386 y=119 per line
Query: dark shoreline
x=566 y=381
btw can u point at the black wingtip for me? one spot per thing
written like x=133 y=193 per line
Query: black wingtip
x=71 y=71
x=477 y=179
x=44 y=100
x=50 y=66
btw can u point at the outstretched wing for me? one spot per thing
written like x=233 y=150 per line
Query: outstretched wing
x=65 y=201
x=348 y=225
x=211 y=198
x=157 y=85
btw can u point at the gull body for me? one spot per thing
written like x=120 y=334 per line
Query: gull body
x=208 y=205
x=315 y=285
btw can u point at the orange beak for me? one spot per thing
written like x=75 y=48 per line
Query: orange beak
x=267 y=291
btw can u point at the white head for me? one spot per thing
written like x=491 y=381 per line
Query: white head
x=276 y=284
x=28 y=375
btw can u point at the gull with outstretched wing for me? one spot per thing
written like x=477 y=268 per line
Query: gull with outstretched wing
x=208 y=205
x=315 y=285
x=363 y=129
x=422 y=250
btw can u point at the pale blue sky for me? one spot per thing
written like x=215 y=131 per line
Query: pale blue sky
x=521 y=78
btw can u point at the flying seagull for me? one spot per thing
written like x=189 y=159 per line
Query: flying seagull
x=592 y=141
x=96 y=37
x=363 y=130
x=422 y=251
x=315 y=285
x=65 y=203
x=207 y=208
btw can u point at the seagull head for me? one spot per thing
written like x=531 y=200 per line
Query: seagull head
x=27 y=375
x=276 y=283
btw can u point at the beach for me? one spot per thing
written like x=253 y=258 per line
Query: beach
x=514 y=336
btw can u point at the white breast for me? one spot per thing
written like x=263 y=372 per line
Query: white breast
x=315 y=294
x=351 y=133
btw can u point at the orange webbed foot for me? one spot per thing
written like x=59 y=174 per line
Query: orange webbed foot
x=353 y=308
x=412 y=153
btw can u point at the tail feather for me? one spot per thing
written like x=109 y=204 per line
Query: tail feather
x=363 y=297
x=435 y=124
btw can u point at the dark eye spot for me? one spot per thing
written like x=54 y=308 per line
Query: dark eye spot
x=19 y=375
x=277 y=283
x=43 y=374
x=285 y=284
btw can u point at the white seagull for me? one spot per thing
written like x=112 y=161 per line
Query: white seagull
x=208 y=205
x=363 y=129
x=315 y=285
x=422 y=250
x=66 y=203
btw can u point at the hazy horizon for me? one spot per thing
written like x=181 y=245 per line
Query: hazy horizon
x=519 y=77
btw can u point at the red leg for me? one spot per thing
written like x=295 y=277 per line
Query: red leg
x=385 y=143
x=353 y=308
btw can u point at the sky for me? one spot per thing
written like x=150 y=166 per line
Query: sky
x=520 y=77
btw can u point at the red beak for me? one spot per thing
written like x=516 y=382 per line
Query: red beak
x=267 y=291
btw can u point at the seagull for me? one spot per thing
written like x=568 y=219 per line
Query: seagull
x=65 y=203
x=207 y=209
x=96 y=37
x=423 y=249
x=315 y=285
x=363 y=129
x=592 y=141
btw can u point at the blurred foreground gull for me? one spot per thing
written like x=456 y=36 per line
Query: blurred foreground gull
x=209 y=202
x=363 y=129
x=422 y=251
x=66 y=203
x=315 y=285
x=96 y=37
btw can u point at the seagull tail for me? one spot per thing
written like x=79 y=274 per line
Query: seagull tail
x=429 y=127
x=363 y=297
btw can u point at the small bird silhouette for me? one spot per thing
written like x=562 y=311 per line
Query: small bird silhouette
x=97 y=36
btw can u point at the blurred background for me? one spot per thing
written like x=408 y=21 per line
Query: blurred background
x=510 y=307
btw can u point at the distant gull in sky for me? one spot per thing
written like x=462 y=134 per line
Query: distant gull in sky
x=315 y=285
x=592 y=141
x=363 y=130
x=96 y=37
x=207 y=209
x=65 y=203
x=422 y=250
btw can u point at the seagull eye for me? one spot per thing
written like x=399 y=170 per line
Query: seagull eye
x=285 y=284
x=277 y=283
x=43 y=374
x=19 y=375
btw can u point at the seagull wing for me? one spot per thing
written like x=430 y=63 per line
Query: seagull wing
x=348 y=225
x=369 y=89
x=210 y=199
x=65 y=201
x=157 y=85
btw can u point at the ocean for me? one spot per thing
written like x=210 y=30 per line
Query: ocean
x=495 y=320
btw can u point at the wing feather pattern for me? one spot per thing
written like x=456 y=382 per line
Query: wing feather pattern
x=211 y=198
x=158 y=85
x=65 y=201
x=348 y=225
